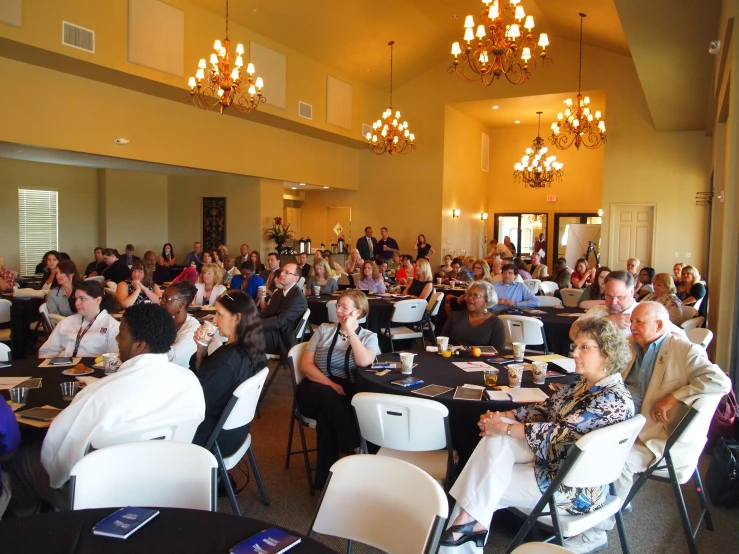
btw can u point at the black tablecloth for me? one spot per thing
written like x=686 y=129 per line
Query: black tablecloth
x=173 y=530
x=23 y=312
x=557 y=328
x=435 y=370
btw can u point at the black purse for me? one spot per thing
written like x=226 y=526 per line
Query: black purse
x=722 y=478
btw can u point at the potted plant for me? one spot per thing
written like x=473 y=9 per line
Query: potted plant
x=279 y=233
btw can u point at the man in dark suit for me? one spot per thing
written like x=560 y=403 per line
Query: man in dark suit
x=281 y=316
x=130 y=257
x=243 y=257
x=367 y=245
x=271 y=275
x=115 y=269
x=303 y=266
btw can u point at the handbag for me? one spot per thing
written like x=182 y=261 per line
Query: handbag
x=722 y=478
x=723 y=423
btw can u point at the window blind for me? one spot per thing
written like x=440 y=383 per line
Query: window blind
x=37 y=226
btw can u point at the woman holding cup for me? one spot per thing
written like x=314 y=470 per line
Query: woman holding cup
x=527 y=446
x=225 y=368
x=320 y=276
x=477 y=325
x=333 y=353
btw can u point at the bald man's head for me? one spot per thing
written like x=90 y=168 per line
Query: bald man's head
x=649 y=321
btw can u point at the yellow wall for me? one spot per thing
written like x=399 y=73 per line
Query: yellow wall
x=270 y=206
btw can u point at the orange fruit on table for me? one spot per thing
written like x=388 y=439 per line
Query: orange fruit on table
x=476 y=352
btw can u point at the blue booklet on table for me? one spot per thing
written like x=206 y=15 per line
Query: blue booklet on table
x=124 y=522
x=407 y=382
x=269 y=541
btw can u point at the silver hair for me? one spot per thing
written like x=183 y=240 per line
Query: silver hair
x=491 y=297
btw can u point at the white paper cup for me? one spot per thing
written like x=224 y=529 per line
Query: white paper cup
x=110 y=362
x=442 y=343
x=540 y=372
x=438 y=280
x=452 y=283
x=208 y=330
x=515 y=375
x=316 y=291
x=518 y=350
x=262 y=290
x=406 y=362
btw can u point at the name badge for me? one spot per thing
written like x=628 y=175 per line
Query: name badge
x=103 y=330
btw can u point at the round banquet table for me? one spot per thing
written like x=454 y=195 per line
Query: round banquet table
x=463 y=414
x=557 y=327
x=173 y=530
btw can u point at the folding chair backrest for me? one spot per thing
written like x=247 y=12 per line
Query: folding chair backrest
x=165 y=474
x=5 y=306
x=434 y=303
x=409 y=311
x=112 y=286
x=300 y=329
x=549 y=287
x=98 y=278
x=520 y=328
x=383 y=502
x=700 y=336
x=293 y=359
x=694 y=323
x=689 y=312
x=533 y=285
x=356 y=277
x=548 y=301
x=401 y=422
x=343 y=279
x=331 y=309
x=179 y=427
x=587 y=304
x=43 y=311
x=245 y=399
x=570 y=296
x=603 y=453
x=4 y=352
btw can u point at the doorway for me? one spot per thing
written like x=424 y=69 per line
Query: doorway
x=524 y=230
x=561 y=221
x=632 y=234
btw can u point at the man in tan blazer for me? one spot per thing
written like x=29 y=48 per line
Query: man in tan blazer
x=537 y=269
x=666 y=369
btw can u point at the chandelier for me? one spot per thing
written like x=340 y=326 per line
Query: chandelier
x=534 y=169
x=506 y=48
x=389 y=134
x=578 y=125
x=223 y=87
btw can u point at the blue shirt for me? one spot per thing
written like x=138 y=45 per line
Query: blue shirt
x=517 y=292
x=252 y=287
x=193 y=257
x=638 y=378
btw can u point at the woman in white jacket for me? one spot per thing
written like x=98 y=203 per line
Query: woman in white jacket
x=208 y=285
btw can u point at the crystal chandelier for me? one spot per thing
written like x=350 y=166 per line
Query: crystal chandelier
x=534 y=169
x=388 y=133
x=578 y=125
x=223 y=87
x=506 y=48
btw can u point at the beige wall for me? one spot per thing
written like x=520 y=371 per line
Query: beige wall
x=78 y=206
x=270 y=206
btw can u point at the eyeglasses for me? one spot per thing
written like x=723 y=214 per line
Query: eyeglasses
x=166 y=299
x=289 y=273
x=476 y=295
x=617 y=298
x=583 y=347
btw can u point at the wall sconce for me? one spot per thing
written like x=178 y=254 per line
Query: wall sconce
x=483 y=216
x=456 y=212
x=600 y=213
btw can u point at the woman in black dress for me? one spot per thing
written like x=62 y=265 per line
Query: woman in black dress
x=425 y=250
x=421 y=286
x=228 y=366
x=476 y=326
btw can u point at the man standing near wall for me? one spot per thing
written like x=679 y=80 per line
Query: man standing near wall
x=387 y=245
x=367 y=245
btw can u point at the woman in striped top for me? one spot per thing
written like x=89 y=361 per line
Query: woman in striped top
x=331 y=356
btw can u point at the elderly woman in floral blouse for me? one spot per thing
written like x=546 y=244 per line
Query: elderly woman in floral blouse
x=499 y=473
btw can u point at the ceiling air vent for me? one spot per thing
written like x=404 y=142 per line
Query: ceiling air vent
x=366 y=129
x=305 y=110
x=78 y=37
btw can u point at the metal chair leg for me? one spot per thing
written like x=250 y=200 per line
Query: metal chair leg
x=290 y=437
x=705 y=511
x=257 y=476
x=270 y=381
x=308 y=471
x=226 y=481
x=684 y=517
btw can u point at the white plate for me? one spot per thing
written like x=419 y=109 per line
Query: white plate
x=67 y=372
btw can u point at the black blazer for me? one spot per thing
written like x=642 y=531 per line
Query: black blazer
x=305 y=270
x=363 y=248
x=283 y=313
x=117 y=271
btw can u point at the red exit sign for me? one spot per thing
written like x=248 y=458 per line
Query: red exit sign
x=551 y=198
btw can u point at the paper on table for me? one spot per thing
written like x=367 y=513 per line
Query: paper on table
x=547 y=358
x=498 y=395
x=47 y=363
x=526 y=394
x=7 y=383
x=568 y=364
x=476 y=387
x=472 y=366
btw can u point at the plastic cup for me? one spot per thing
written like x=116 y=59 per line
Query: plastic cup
x=316 y=291
x=208 y=330
x=518 y=350
x=438 y=280
x=515 y=375
x=442 y=343
x=540 y=372
x=110 y=362
x=406 y=362
x=69 y=389
x=19 y=395
x=491 y=377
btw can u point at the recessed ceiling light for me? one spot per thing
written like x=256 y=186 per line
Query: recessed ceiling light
x=495 y=107
x=517 y=121
x=325 y=187
x=302 y=184
x=295 y=188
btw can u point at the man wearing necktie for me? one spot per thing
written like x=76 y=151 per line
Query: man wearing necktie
x=367 y=245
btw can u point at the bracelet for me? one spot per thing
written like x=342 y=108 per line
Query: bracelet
x=509 y=432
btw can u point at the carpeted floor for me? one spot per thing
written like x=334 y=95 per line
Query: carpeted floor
x=653 y=527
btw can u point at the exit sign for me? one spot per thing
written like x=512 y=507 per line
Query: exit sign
x=551 y=198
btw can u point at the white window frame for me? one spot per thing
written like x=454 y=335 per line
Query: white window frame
x=38 y=226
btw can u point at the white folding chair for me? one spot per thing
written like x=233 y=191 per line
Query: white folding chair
x=415 y=430
x=383 y=502
x=548 y=287
x=700 y=336
x=293 y=360
x=356 y=277
x=529 y=330
x=111 y=286
x=411 y=312
x=570 y=296
x=698 y=303
x=587 y=304
x=98 y=278
x=239 y=412
x=596 y=459
x=689 y=312
x=534 y=285
x=343 y=279
x=44 y=320
x=281 y=361
x=164 y=474
x=541 y=548
x=178 y=427
x=548 y=301
x=4 y=352
x=694 y=323
x=432 y=311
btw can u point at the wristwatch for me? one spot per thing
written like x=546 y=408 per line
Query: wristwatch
x=509 y=432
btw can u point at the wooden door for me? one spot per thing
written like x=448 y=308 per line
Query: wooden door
x=632 y=234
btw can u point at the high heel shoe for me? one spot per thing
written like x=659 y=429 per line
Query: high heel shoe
x=447 y=537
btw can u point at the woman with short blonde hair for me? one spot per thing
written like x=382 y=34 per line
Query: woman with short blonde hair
x=208 y=285
x=354 y=262
x=691 y=289
x=664 y=293
x=320 y=276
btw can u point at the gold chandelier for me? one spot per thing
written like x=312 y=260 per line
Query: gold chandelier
x=223 y=87
x=534 y=169
x=578 y=125
x=506 y=48
x=389 y=134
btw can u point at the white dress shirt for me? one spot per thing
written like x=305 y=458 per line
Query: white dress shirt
x=184 y=345
x=99 y=338
x=217 y=291
x=145 y=389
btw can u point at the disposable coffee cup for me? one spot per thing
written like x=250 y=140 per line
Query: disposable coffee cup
x=69 y=389
x=316 y=291
x=406 y=362
x=19 y=395
x=262 y=290
x=438 y=280
x=518 y=350
x=540 y=372
x=452 y=283
x=110 y=362
x=442 y=343
x=515 y=375
x=208 y=330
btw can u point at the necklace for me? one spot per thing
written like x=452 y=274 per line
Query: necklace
x=344 y=337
